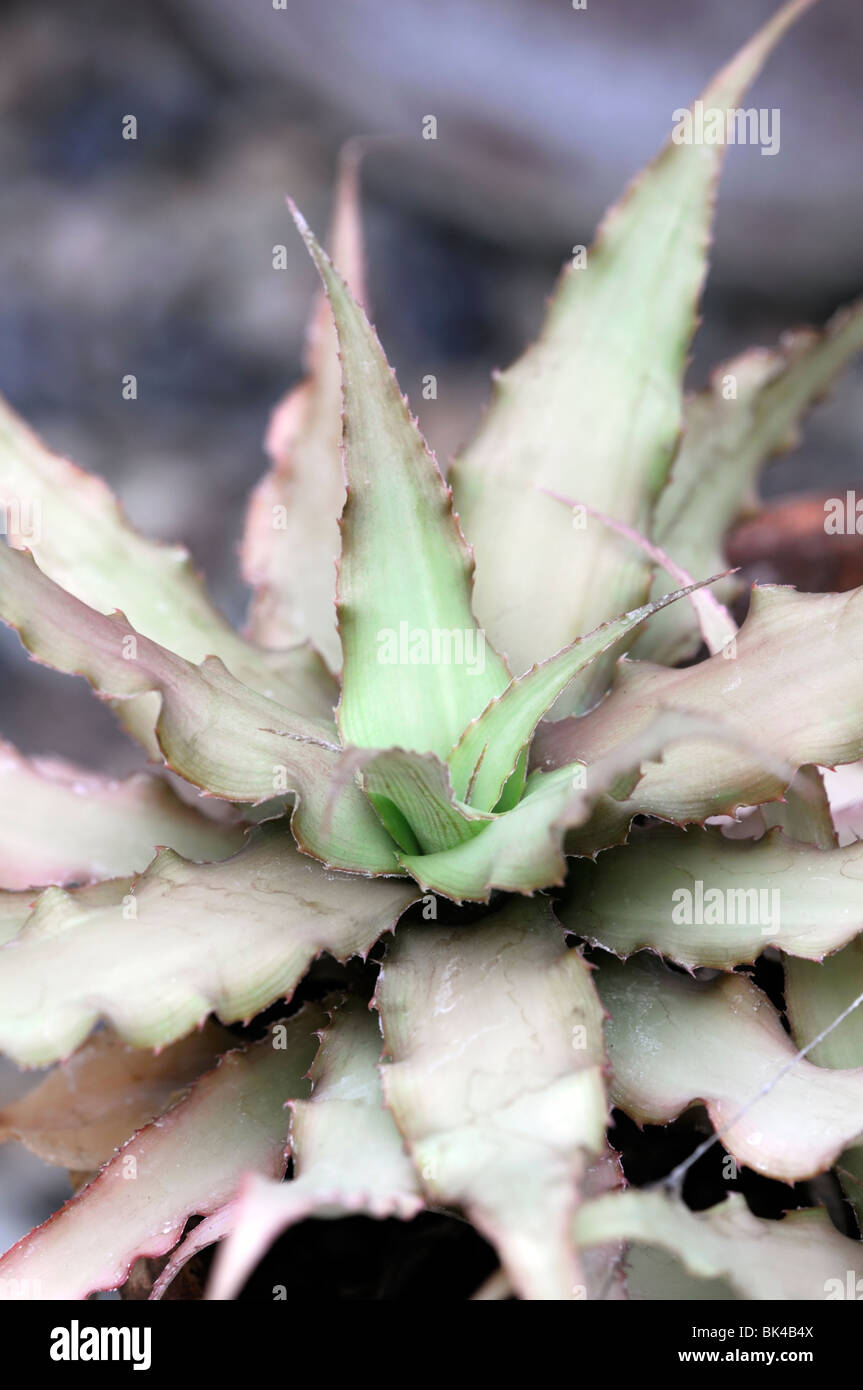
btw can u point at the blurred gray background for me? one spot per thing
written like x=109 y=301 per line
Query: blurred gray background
x=155 y=256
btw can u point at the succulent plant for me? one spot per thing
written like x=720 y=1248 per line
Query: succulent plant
x=534 y=840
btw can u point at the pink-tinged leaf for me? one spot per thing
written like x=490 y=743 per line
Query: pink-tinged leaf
x=75 y=529
x=215 y=732
x=291 y=542
x=188 y=1162
x=495 y=1080
x=15 y=908
x=416 y=666
x=190 y=940
x=749 y=413
x=673 y=1041
x=792 y=683
x=349 y=1158
x=89 y=1105
x=212 y=1229
x=593 y=409
x=714 y=622
x=62 y=824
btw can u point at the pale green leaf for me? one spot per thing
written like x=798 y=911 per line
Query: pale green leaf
x=815 y=997
x=804 y=812
x=673 y=1041
x=800 y=1257
x=593 y=409
x=17 y=908
x=413 y=796
x=194 y=939
x=495 y=1036
x=699 y=898
x=523 y=849
x=416 y=667
x=791 y=689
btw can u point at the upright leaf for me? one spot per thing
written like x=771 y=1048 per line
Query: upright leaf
x=416 y=667
x=593 y=410
x=749 y=413
x=291 y=539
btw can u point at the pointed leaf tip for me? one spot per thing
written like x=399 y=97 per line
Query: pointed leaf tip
x=417 y=668
x=578 y=413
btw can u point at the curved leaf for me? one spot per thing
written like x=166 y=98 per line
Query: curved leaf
x=349 y=1158
x=800 y=1257
x=488 y=751
x=523 y=849
x=188 y=1162
x=88 y=1106
x=815 y=996
x=726 y=442
x=216 y=733
x=62 y=824
x=793 y=682
x=75 y=529
x=673 y=1041
x=418 y=786
x=701 y=899
x=195 y=939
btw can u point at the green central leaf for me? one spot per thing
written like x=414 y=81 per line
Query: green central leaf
x=417 y=668
x=489 y=750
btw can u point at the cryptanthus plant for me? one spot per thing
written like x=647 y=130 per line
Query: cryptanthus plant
x=510 y=728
